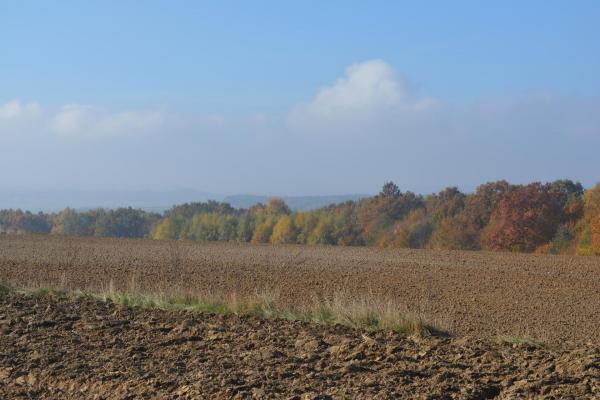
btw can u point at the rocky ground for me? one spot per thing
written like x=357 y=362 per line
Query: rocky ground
x=84 y=349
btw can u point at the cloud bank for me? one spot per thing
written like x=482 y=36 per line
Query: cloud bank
x=77 y=121
x=14 y=110
x=368 y=126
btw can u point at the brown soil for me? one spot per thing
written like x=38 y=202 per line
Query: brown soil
x=81 y=348
x=553 y=299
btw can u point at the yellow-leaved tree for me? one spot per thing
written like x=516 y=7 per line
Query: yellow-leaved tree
x=165 y=229
x=262 y=232
x=589 y=242
x=284 y=231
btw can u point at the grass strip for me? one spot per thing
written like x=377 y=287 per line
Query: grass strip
x=354 y=315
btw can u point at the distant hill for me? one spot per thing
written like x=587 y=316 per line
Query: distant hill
x=56 y=200
x=148 y=200
x=296 y=203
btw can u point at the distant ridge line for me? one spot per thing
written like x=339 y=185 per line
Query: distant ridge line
x=296 y=203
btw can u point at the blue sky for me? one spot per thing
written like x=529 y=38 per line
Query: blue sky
x=305 y=98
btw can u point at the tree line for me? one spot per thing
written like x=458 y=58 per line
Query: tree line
x=557 y=217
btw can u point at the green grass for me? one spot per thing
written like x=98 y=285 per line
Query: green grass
x=358 y=315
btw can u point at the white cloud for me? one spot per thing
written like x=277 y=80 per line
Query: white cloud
x=373 y=99
x=15 y=110
x=18 y=119
x=366 y=86
x=368 y=92
x=81 y=120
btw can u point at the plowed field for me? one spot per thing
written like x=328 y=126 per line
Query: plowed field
x=553 y=299
x=84 y=349
x=76 y=347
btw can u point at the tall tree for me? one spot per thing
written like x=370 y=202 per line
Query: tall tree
x=284 y=231
x=526 y=218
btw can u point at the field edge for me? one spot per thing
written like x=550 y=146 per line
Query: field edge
x=360 y=316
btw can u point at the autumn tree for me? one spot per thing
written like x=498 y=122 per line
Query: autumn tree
x=376 y=215
x=595 y=234
x=526 y=218
x=25 y=221
x=454 y=233
x=228 y=228
x=345 y=225
x=188 y=210
x=262 y=232
x=449 y=226
x=166 y=229
x=592 y=202
x=324 y=231
x=123 y=222
x=204 y=227
x=276 y=206
x=556 y=217
x=589 y=238
x=446 y=204
x=413 y=231
x=284 y=231
x=390 y=190
x=305 y=223
x=70 y=222
x=246 y=225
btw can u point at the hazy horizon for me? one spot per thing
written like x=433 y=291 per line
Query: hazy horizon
x=151 y=200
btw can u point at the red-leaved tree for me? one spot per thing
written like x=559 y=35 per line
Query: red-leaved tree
x=525 y=218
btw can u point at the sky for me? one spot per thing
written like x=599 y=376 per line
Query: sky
x=297 y=98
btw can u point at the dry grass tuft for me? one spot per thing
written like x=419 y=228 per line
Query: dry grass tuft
x=366 y=314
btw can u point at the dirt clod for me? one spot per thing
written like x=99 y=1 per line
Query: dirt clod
x=288 y=360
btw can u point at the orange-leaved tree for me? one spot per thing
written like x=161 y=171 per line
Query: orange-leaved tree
x=525 y=218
